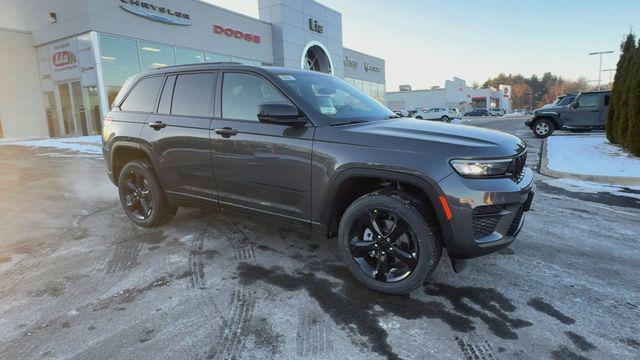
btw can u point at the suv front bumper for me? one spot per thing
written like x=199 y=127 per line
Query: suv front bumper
x=487 y=214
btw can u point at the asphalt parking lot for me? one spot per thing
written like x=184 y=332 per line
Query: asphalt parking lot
x=78 y=280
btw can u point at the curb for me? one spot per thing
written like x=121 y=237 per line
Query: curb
x=611 y=180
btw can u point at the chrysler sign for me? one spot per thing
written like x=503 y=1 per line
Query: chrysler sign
x=156 y=13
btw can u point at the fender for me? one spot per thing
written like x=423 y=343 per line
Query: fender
x=120 y=144
x=551 y=115
x=427 y=185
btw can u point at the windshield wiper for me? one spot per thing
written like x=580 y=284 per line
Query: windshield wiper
x=347 y=122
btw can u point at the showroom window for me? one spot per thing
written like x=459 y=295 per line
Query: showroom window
x=119 y=57
x=188 y=56
x=153 y=55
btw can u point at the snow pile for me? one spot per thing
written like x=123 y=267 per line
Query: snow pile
x=590 y=155
x=594 y=188
x=82 y=144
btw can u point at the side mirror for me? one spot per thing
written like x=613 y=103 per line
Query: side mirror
x=280 y=113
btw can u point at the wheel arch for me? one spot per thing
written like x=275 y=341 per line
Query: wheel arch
x=351 y=184
x=123 y=152
x=549 y=117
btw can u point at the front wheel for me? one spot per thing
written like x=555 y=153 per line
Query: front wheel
x=542 y=128
x=445 y=118
x=387 y=243
x=419 y=117
x=142 y=196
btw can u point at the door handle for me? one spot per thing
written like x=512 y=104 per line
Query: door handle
x=226 y=132
x=157 y=125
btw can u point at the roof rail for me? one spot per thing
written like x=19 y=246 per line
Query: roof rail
x=201 y=64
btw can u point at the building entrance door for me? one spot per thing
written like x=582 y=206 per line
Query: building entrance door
x=77 y=109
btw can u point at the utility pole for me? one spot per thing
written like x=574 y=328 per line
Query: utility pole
x=600 y=67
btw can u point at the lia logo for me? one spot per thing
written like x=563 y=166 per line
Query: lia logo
x=64 y=58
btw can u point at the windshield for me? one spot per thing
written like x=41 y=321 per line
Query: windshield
x=334 y=99
x=566 y=101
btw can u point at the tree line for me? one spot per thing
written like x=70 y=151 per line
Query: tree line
x=534 y=92
x=623 y=121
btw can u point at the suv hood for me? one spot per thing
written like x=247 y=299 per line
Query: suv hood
x=411 y=135
x=550 y=109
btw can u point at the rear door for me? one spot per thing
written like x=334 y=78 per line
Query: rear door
x=178 y=135
x=259 y=166
x=586 y=112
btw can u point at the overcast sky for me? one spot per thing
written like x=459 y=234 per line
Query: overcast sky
x=425 y=42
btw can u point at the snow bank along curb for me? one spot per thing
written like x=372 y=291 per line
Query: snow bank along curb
x=614 y=180
x=83 y=144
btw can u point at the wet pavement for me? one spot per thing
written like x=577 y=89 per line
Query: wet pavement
x=78 y=280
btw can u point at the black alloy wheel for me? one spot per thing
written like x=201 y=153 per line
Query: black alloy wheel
x=383 y=245
x=141 y=195
x=138 y=199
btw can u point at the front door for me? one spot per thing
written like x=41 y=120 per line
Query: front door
x=178 y=133
x=79 y=110
x=259 y=166
x=586 y=111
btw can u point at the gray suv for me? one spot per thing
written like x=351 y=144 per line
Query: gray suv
x=585 y=112
x=309 y=148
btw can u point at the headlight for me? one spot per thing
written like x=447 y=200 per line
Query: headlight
x=481 y=168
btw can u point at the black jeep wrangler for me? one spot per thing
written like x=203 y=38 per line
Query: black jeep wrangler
x=585 y=112
x=308 y=147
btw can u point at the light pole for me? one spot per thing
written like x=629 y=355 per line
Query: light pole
x=600 y=67
x=610 y=71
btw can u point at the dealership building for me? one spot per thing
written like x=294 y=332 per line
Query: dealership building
x=63 y=61
x=454 y=95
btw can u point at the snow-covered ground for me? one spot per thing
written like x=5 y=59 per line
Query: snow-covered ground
x=590 y=155
x=81 y=144
x=594 y=188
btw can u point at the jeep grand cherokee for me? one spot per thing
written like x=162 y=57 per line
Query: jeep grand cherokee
x=308 y=147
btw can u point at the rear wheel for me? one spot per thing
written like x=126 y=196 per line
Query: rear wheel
x=445 y=118
x=542 y=128
x=142 y=197
x=387 y=243
x=419 y=117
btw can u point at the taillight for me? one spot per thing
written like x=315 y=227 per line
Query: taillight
x=107 y=120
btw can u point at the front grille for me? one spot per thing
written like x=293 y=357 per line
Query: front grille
x=513 y=228
x=485 y=220
x=517 y=167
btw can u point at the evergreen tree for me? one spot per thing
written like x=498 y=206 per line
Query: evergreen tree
x=631 y=129
x=616 y=110
x=623 y=95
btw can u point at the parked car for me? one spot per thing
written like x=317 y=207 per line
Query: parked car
x=402 y=113
x=584 y=112
x=479 y=112
x=441 y=114
x=497 y=112
x=306 y=147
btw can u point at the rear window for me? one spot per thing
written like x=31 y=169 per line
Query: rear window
x=143 y=96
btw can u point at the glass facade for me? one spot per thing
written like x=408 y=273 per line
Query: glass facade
x=374 y=89
x=124 y=57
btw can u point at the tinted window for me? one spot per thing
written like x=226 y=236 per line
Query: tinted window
x=588 y=100
x=143 y=96
x=242 y=94
x=165 y=98
x=607 y=98
x=192 y=95
x=566 y=101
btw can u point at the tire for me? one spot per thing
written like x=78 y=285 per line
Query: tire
x=142 y=197
x=542 y=128
x=419 y=117
x=445 y=118
x=410 y=258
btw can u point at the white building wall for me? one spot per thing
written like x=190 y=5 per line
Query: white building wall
x=417 y=99
x=291 y=33
x=21 y=102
